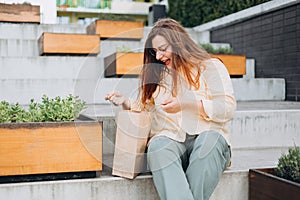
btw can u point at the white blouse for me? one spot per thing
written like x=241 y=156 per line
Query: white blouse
x=216 y=93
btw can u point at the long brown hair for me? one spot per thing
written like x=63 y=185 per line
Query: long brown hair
x=186 y=55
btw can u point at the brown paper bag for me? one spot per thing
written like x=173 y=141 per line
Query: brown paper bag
x=131 y=140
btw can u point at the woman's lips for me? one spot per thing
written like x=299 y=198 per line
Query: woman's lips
x=167 y=62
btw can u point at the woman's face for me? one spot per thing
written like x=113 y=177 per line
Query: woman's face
x=162 y=50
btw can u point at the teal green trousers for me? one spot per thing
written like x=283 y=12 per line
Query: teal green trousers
x=189 y=170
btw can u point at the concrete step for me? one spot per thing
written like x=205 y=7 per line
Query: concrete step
x=20 y=61
x=115 y=188
x=36 y=73
x=261 y=124
x=18 y=48
x=265 y=128
x=259 y=89
x=251 y=125
x=89 y=89
x=34 y=31
x=29 y=47
x=89 y=85
x=50 y=67
x=232 y=186
x=22 y=90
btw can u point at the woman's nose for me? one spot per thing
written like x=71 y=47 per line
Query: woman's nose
x=158 y=55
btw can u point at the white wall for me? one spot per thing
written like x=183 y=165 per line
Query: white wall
x=47 y=9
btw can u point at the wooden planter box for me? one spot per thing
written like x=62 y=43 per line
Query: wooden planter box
x=263 y=184
x=117 y=29
x=130 y=63
x=19 y=13
x=52 y=147
x=123 y=64
x=235 y=64
x=68 y=44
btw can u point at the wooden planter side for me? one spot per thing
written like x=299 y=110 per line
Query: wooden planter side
x=264 y=185
x=235 y=64
x=119 y=64
x=67 y=147
x=19 y=13
x=65 y=43
x=117 y=29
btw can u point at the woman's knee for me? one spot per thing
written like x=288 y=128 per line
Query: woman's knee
x=209 y=143
x=158 y=143
x=162 y=152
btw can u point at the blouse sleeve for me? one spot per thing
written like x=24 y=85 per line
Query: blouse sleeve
x=220 y=104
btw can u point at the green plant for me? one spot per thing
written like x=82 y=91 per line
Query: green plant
x=123 y=49
x=115 y=17
x=26 y=3
x=288 y=166
x=57 y=109
x=12 y=113
x=221 y=50
x=191 y=13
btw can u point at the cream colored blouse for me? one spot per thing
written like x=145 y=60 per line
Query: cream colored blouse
x=216 y=93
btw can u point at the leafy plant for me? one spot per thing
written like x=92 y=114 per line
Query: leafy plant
x=57 y=109
x=27 y=3
x=191 y=13
x=221 y=50
x=289 y=165
x=123 y=49
x=114 y=17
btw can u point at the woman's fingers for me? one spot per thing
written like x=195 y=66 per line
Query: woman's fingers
x=166 y=102
x=110 y=95
x=115 y=97
x=171 y=105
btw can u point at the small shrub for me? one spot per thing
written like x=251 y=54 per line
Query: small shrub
x=123 y=49
x=113 y=17
x=221 y=50
x=27 y=3
x=57 y=109
x=289 y=165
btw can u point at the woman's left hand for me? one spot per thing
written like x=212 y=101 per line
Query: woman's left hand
x=171 y=105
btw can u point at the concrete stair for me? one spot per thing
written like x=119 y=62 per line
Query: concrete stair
x=24 y=72
x=29 y=47
x=34 y=31
x=232 y=186
x=18 y=48
x=261 y=132
x=262 y=129
x=61 y=75
x=260 y=124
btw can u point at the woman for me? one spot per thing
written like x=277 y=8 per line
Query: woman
x=191 y=98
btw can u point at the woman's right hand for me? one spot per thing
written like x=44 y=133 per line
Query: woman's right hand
x=118 y=99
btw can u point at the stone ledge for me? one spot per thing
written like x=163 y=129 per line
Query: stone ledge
x=233 y=186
